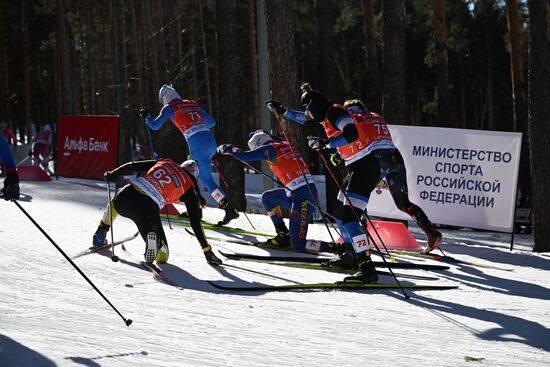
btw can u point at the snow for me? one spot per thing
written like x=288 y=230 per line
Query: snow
x=50 y=316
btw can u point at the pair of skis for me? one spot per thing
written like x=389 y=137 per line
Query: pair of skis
x=398 y=254
x=156 y=271
x=317 y=263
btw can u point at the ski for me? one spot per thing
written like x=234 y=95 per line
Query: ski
x=328 y=286
x=215 y=226
x=157 y=273
x=322 y=260
x=339 y=270
x=152 y=268
x=445 y=259
x=95 y=249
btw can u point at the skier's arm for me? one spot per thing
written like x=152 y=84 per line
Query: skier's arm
x=299 y=117
x=5 y=154
x=341 y=120
x=195 y=214
x=165 y=114
x=263 y=153
x=130 y=168
x=210 y=122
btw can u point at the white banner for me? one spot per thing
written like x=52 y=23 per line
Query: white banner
x=465 y=178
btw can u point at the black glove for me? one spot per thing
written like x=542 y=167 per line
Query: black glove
x=317 y=143
x=109 y=175
x=275 y=106
x=11 y=186
x=144 y=112
x=227 y=149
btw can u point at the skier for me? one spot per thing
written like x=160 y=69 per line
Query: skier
x=8 y=133
x=298 y=195
x=11 y=182
x=389 y=163
x=354 y=142
x=163 y=182
x=41 y=148
x=195 y=124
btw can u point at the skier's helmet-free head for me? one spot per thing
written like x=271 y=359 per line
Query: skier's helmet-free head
x=167 y=94
x=314 y=103
x=191 y=166
x=355 y=106
x=258 y=138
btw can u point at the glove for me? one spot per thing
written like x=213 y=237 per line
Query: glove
x=144 y=112
x=227 y=149
x=275 y=106
x=202 y=202
x=11 y=186
x=108 y=175
x=335 y=159
x=317 y=143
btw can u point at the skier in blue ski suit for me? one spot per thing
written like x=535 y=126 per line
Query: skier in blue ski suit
x=298 y=194
x=195 y=124
x=11 y=182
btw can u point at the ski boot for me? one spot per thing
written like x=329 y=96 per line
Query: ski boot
x=367 y=272
x=279 y=242
x=434 y=238
x=151 y=247
x=163 y=254
x=100 y=235
x=230 y=212
x=346 y=257
x=211 y=258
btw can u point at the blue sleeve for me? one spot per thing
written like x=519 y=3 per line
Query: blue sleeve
x=5 y=153
x=210 y=122
x=297 y=116
x=338 y=141
x=263 y=153
x=165 y=114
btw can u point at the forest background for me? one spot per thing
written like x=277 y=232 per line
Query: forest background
x=481 y=64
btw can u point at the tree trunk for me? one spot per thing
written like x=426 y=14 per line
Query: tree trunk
x=205 y=57
x=283 y=75
x=394 y=103
x=442 y=67
x=254 y=91
x=373 y=87
x=539 y=117
x=26 y=69
x=519 y=94
x=3 y=63
x=230 y=104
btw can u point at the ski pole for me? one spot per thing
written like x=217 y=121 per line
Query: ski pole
x=153 y=154
x=227 y=188
x=361 y=222
x=114 y=258
x=128 y=322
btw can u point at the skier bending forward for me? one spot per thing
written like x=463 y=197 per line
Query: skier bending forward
x=299 y=194
x=163 y=182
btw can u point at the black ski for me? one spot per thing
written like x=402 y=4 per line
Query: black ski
x=94 y=249
x=339 y=270
x=324 y=260
x=328 y=286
